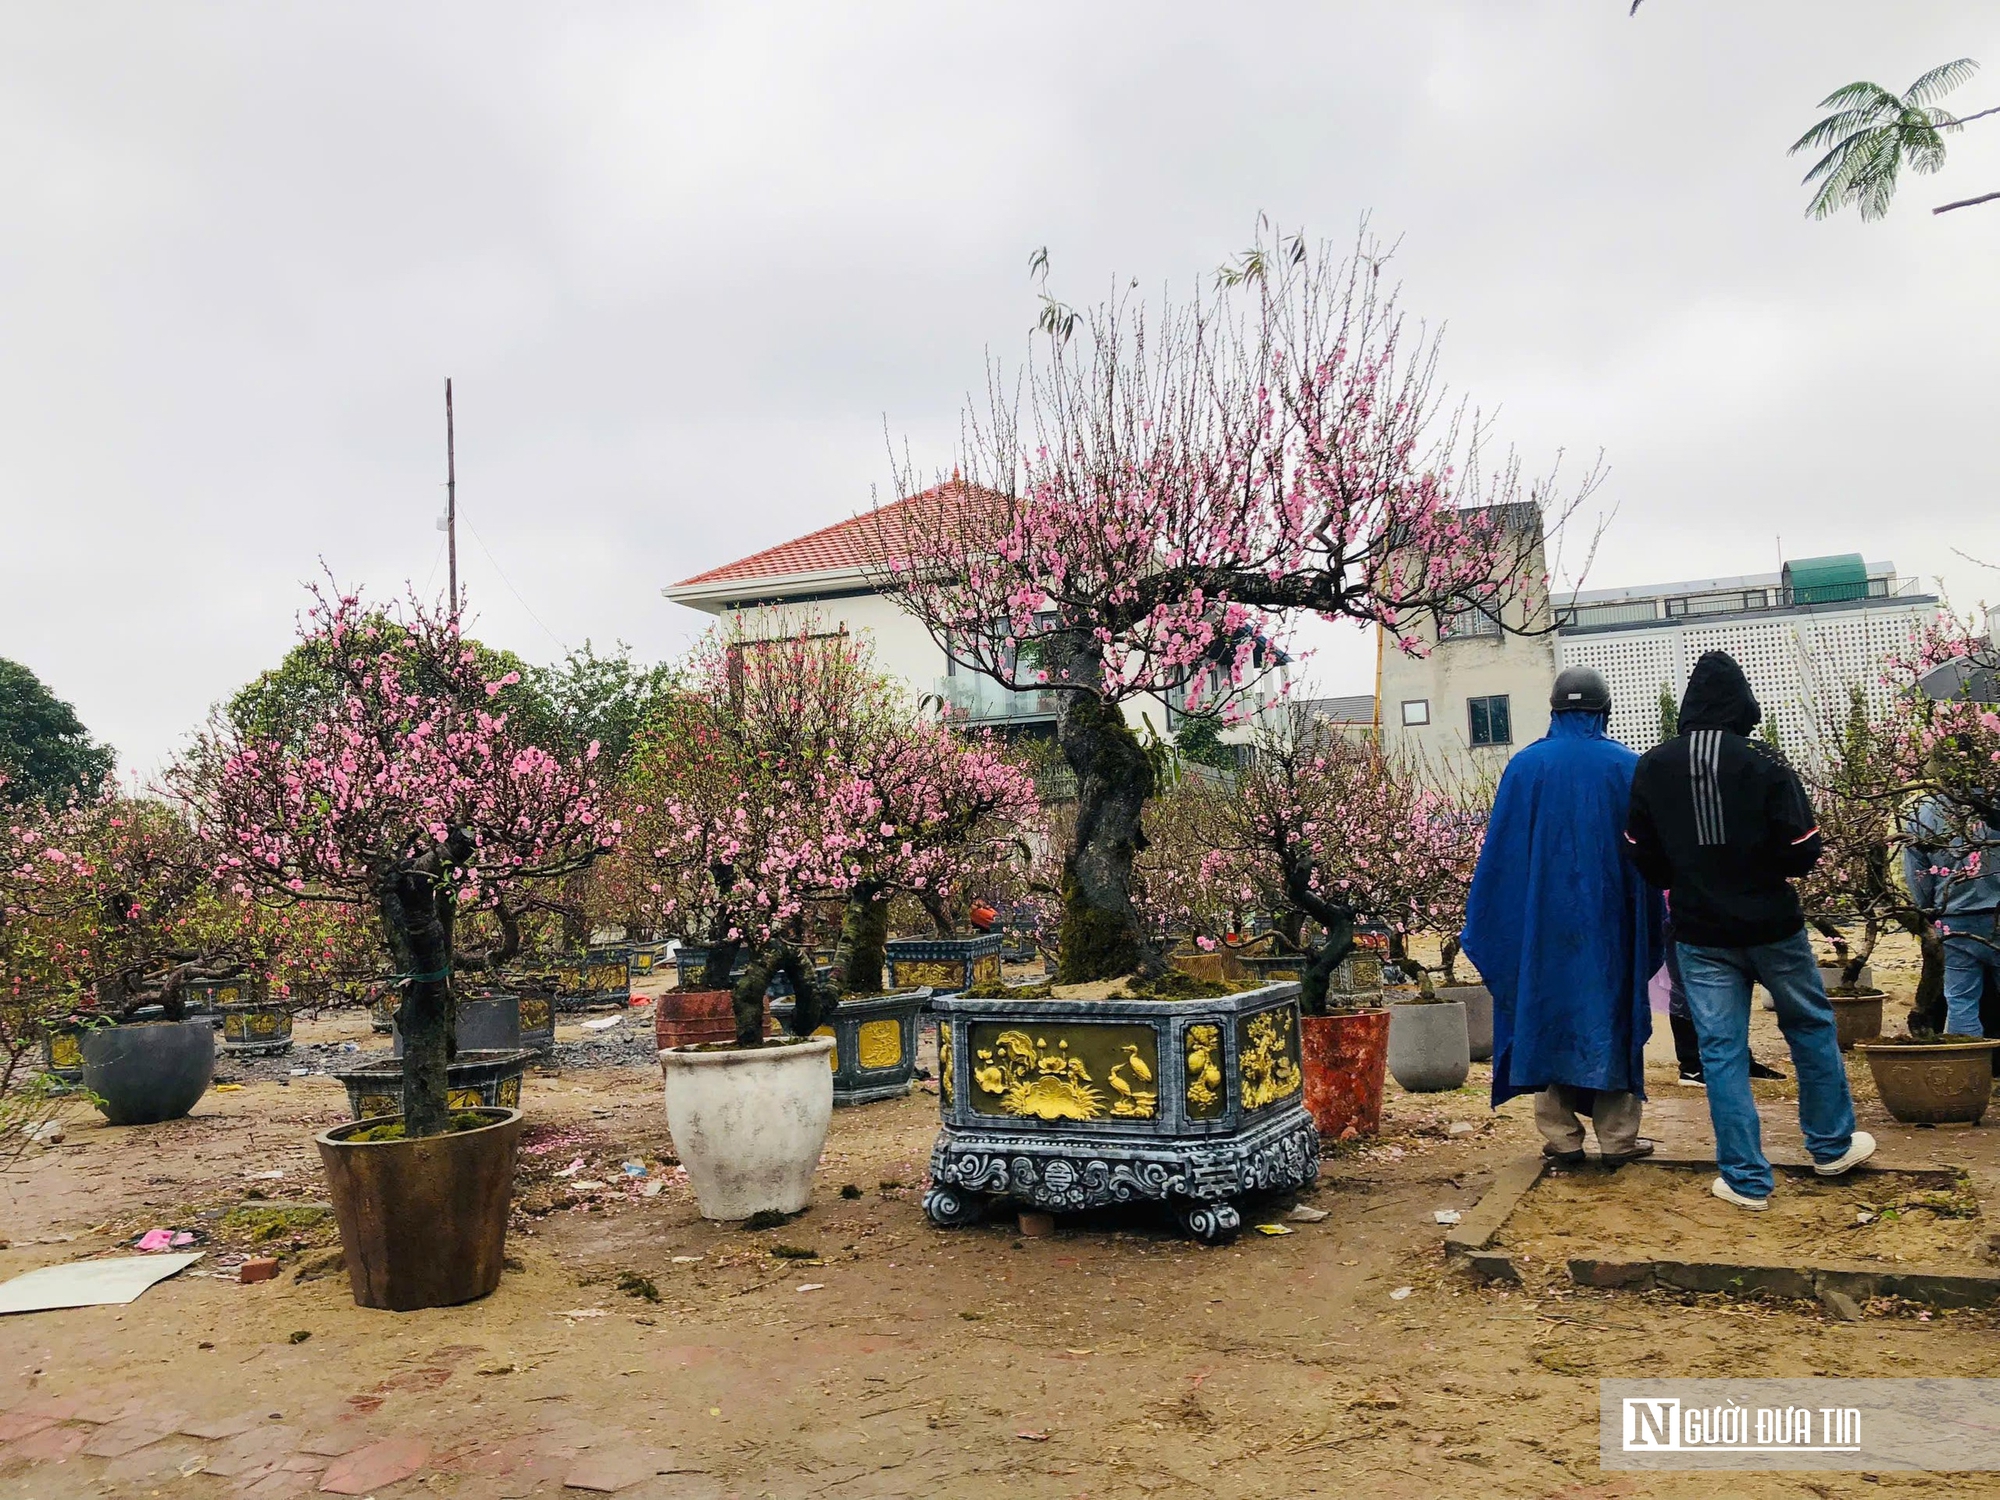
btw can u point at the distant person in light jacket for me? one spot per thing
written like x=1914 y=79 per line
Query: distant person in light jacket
x=1722 y=822
x=1952 y=867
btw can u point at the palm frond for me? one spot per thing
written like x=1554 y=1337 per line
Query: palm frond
x=1940 y=81
x=1862 y=95
x=1844 y=126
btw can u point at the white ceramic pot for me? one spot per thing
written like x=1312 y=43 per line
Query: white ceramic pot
x=1429 y=1050
x=748 y=1125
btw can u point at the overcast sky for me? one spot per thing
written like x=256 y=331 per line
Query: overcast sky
x=684 y=262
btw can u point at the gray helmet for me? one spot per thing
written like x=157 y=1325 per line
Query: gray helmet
x=1581 y=690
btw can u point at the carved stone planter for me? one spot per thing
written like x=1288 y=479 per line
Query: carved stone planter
x=62 y=1052
x=254 y=1028
x=646 y=957
x=1357 y=974
x=874 y=1044
x=1076 y=1104
x=474 y=1080
x=594 y=977
x=945 y=965
x=206 y=998
x=487 y=1021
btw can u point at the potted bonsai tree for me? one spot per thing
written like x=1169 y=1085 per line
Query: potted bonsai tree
x=1334 y=833
x=918 y=810
x=138 y=921
x=1165 y=497
x=745 y=835
x=410 y=795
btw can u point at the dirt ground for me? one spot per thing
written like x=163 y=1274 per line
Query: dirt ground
x=1667 y=1213
x=858 y=1352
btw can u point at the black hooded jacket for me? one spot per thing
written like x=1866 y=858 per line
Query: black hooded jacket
x=1720 y=821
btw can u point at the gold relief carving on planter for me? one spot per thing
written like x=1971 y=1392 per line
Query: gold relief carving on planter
x=534 y=1012
x=945 y=1051
x=468 y=1098
x=833 y=1057
x=378 y=1104
x=1054 y=1076
x=939 y=973
x=987 y=970
x=1267 y=1049
x=1205 y=1097
x=600 y=977
x=508 y=1095
x=879 y=1044
x=65 y=1050
x=228 y=995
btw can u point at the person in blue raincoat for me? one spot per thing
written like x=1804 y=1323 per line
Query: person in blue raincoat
x=1566 y=932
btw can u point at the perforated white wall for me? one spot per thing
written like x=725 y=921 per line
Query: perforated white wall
x=1800 y=666
x=1637 y=664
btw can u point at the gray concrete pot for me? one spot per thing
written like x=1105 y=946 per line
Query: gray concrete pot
x=150 y=1072
x=1478 y=1002
x=1429 y=1050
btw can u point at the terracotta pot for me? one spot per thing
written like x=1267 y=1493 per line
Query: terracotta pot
x=423 y=1223
x=1944 y=1083
x=1857 y=1018
x=687 y=1018
x=1345 y=1057
x=1829 y=976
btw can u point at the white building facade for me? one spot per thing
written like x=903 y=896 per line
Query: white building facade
x=826 y=582
x=1805 y=637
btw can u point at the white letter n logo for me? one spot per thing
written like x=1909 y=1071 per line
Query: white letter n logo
x=1652 y=1423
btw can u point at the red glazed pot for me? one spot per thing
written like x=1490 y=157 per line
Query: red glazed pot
x=685 y=1018
x=1345 y=1059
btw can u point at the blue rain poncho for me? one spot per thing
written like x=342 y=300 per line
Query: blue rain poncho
x=1562 y=927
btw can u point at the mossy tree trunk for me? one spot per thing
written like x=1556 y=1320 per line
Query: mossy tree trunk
x=723 y=950
x=812 y=1003
x=1101 y=937
x=417 y=918
x=864 y=937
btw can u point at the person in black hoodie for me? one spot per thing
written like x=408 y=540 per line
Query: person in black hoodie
x=1722 y=823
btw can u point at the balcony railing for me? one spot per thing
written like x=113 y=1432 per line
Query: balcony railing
x=981 y=700
x=1731 y=602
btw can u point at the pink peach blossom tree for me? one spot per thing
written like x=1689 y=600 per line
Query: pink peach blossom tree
x=795 y=780
x=1330 y=833
x=1179 y=489
x=411 y=797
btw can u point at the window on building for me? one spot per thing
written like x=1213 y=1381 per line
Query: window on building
x=1473 y=622
x=1489 y=720
x=1416 y=711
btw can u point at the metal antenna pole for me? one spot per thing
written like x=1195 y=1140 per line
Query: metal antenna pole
x=451 y=497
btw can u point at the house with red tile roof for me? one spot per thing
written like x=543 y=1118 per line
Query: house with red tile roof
x=830 y=579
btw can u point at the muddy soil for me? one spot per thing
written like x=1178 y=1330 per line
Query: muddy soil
x=856 y=1351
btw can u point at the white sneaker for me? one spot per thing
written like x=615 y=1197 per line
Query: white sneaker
x=1859 y=1149
x=1729 y=1194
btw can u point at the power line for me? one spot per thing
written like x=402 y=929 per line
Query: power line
x=510 y=586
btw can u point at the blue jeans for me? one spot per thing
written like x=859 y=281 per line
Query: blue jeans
x=1968 y=955
x=1718 y=984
